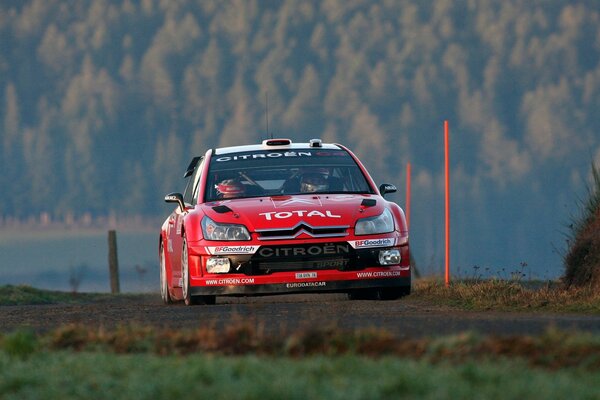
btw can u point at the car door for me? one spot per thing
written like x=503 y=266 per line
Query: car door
x=177 y=219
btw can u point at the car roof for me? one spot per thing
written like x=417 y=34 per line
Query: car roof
x=265 y=146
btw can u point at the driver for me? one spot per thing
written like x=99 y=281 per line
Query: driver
x=230 y=188
x=314 y=181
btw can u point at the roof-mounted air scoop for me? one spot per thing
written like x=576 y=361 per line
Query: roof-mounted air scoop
x=316 y=143
x=271 y=143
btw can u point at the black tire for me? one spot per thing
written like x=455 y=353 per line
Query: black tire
x=188 y=299
x=389 y=293
x=164 y=283
x=362 y=294
x=392 y=293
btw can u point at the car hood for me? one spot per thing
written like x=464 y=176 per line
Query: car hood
x=281 y=212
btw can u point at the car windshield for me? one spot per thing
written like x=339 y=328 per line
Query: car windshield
x=272 y=173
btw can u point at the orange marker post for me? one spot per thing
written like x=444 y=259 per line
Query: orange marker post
x=408 y=195
x=447 y=201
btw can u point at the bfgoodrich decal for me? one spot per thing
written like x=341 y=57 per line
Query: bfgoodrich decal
x=232 y=249
x=361 y=244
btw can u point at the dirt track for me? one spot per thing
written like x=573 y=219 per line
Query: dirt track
x=407 y=317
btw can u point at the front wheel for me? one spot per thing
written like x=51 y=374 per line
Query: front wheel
x=188 y=299
x=392 y=293
x=362 y=294
x=164 y=282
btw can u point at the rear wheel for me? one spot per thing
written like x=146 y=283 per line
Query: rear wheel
x=185 y=277
x=164 y=283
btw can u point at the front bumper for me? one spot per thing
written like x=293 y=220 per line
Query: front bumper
x=298 y=266
x=301 y=282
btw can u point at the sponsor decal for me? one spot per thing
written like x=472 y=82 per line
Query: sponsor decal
x=178 y=223
x=264 y=155
x=306 y=275
x=332 y=154
x=305 y=284
x=366 y=243
x=232 y=249
x=378 y=274
x=330 y=264
x=230 y=281
x=315 y=250
x=300 y=213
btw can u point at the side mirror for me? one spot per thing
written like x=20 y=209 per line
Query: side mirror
x=176 y=198
x=386 y=188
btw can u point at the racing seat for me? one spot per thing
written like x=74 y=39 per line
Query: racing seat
x=291 y=186
x=254 y=190
x=335 y=184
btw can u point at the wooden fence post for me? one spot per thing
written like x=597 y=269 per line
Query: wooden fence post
x=113 y=262
x=447 y=198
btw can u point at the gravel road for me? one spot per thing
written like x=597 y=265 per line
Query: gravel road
x=407 y=317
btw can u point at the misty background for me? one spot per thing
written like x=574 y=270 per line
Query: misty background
x=103 y=104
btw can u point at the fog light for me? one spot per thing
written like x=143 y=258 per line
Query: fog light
x=218 y=265
x=389 y=257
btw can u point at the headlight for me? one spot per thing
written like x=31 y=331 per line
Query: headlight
x=216 y=231
x=383 y=223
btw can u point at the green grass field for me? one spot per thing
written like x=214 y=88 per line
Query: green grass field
x=67 y=375
x=77 y=362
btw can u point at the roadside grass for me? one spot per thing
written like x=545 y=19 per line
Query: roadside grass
x=582 y=260
x=14 y=295
x=508 y=295
x=137 y=362
x=22 y=294
x=476 y=295
x=551 y=350
x=69 y=375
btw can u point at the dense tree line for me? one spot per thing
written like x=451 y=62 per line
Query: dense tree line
x=102 y=103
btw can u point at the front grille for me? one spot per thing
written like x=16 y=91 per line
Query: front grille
x=299 y=229
x=278 y=266
x=302 y=257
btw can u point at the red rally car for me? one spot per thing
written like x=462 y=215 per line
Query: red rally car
x=282 y=217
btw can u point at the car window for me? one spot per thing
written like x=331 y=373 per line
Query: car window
x=197 y=179
x=268 y=173
x=191 y=189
